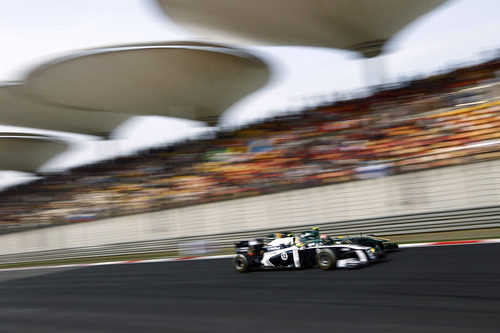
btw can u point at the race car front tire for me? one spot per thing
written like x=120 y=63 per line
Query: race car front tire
x=240 y=263
x=326 y=259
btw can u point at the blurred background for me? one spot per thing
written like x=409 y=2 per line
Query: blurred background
x=181 y=126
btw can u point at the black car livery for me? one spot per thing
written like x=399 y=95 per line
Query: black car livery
x=294 y=252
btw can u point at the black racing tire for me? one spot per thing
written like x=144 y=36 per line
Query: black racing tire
x=326 y=259
x=240 y=263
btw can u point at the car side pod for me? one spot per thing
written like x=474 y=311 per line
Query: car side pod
x=326 y=259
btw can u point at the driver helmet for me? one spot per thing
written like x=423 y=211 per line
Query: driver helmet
x=326 y=239
x=298 y=242
x=315 y=232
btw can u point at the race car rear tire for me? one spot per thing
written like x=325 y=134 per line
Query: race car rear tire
x=240 y=263
x=326 y=259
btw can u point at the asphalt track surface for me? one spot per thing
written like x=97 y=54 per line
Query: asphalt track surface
x=435 y=289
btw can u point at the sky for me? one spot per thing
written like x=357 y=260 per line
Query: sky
x=33 y=32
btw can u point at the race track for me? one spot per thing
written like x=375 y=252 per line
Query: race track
x=435 y=289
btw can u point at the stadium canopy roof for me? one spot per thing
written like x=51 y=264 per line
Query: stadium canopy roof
x=191 y=80
x=360 y=25
x=27 y=152
x=17 y=110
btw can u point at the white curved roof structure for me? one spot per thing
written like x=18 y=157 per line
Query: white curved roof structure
x=16 y=109
x=27 y=152
x=189 y=80
x=360 y=25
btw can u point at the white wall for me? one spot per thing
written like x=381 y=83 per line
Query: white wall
x=467 y=186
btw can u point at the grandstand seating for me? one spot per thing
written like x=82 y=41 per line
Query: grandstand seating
x=443 y=120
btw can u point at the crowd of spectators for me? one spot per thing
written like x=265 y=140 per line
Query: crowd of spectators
x=449 y=119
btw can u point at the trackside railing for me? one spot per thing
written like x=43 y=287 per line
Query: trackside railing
x=451 y=220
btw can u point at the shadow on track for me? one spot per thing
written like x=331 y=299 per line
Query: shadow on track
x=415 y=290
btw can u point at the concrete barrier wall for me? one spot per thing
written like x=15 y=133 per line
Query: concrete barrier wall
x=457 y=187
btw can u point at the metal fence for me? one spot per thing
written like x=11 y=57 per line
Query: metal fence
x=451 y=220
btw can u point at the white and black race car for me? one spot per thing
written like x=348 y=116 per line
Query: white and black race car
x=290 y=252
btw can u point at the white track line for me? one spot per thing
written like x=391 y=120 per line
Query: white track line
x=464 y=242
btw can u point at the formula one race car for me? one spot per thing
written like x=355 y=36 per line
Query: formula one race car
x=380 y=245
x=300 y=251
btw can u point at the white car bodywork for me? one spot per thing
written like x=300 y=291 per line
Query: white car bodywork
x=284 y=247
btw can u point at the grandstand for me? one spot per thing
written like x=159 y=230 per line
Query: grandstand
x=444 y=120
